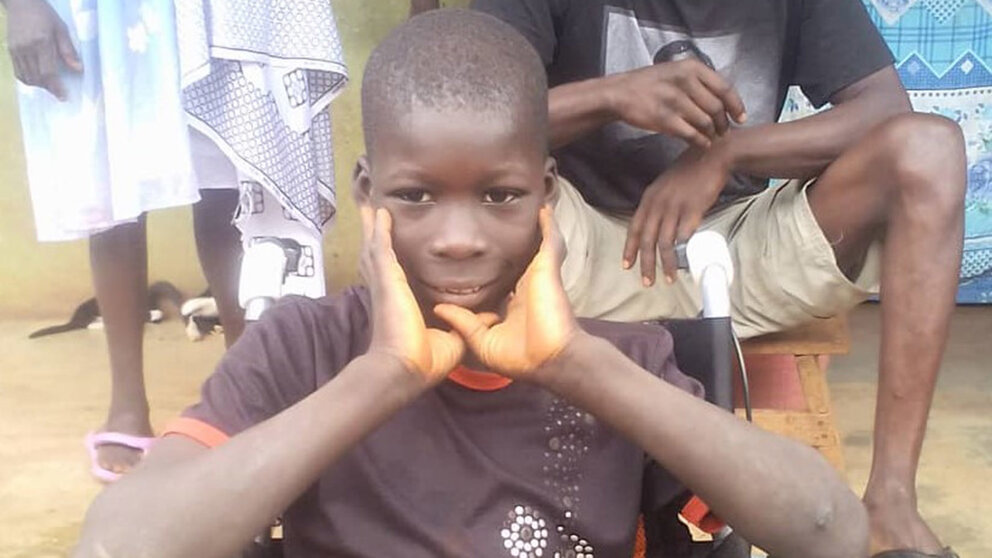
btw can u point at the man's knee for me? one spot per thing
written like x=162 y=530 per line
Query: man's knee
x=925 y=157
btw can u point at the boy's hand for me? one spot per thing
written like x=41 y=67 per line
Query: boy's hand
x=539 y=322
x=39 y=45
x=398 y=326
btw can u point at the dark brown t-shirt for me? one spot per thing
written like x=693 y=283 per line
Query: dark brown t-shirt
x=513 y=472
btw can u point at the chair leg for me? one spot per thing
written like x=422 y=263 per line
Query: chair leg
x=817 y=393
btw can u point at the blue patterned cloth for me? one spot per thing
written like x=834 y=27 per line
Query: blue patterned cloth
x=118 y=146
x=943 y=52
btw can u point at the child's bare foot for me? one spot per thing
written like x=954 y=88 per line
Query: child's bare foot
x=118 y=455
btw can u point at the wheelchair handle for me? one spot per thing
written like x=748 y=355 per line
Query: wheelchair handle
x=707 y=258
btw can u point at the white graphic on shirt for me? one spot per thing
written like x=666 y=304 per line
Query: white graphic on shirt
x=574 y=546
x=525 y=533
x=569 y=433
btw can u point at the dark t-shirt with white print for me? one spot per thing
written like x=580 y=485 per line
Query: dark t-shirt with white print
x=760 y=46
x=514 y=472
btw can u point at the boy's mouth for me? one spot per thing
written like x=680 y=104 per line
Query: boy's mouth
x=468 y=291
x=462 y=294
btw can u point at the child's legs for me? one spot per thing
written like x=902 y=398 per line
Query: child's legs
x=118 y=259
x=218 y=243
x=218 y=240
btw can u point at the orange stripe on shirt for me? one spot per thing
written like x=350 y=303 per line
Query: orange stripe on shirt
x=478 y=381
x=196 y=430
x=698 y=513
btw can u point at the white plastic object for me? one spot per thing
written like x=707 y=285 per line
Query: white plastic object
x=263 y=269
x=713 y=270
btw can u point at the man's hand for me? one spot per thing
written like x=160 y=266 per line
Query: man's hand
x=539 y=323
x=684 y=99
x=39 y=45
x=671 y=209
x=398 y=326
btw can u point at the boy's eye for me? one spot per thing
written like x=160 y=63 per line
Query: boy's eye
x=500 y=196
x=414 y=196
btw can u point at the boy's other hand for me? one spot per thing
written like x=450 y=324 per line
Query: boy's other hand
x=683 y=99
x=39 y=45
x=671 y=209
x=539 y=323
x=398 y=326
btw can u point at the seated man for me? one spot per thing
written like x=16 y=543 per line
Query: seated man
x=373 y=430
x=633 y=84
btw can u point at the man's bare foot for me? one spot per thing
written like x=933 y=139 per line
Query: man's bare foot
x=895 y=523
x=118 y=458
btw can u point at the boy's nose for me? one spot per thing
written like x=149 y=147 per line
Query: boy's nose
x=458 y=236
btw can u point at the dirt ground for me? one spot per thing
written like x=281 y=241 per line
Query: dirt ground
x=53 y=390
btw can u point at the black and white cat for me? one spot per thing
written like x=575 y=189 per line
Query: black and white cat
x=199 y=313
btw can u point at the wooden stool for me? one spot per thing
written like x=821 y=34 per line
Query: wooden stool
x=811 y=345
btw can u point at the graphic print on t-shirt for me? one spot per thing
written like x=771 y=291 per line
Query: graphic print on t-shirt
x=526 y=533
x=631 y=43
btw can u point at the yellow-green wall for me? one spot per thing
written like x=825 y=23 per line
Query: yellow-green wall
x=41 y=280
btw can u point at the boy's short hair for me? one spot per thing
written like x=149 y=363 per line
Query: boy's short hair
x=454 y=59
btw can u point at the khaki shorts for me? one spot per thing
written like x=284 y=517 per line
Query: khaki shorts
x=785 y=270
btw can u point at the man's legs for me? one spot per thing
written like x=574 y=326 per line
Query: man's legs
x=119 y=264
x=218 y=243
x=904 y=182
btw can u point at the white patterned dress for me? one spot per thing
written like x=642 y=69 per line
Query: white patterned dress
x=258 y=76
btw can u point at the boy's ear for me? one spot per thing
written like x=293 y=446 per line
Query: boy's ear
x=361 y=182
x=551 y=181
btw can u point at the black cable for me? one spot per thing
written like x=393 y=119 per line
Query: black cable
x=745 y=388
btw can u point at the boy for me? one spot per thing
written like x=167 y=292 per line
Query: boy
x=375 y=431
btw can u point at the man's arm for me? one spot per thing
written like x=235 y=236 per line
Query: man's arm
x=674 y=204
x=802 y=148
x=683 y=99
x=777 y=493
x=578 y=108
x=185 y=500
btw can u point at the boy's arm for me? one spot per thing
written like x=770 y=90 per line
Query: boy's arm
x=778 y=494
x=186 y=501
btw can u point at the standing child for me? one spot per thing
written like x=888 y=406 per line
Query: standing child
x=106 y=141
x=109 y=141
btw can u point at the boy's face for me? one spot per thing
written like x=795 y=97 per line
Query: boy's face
x=464 y=190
